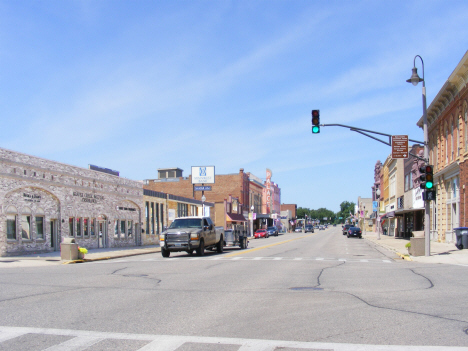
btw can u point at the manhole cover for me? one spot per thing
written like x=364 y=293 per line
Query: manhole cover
x=299 y=288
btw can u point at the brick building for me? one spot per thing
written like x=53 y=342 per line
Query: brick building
x=447 y=118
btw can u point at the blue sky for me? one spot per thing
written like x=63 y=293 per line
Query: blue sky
x=140 y=85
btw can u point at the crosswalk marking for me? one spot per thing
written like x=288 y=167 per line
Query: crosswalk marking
x=82 y=340
x=244 y=258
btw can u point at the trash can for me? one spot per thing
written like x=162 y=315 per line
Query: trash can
x=68 y=249
x=462 y=237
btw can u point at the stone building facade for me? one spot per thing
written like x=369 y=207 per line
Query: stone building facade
x=43 y=201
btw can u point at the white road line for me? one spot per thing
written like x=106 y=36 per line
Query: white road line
x=83 y=339
x=76 y=344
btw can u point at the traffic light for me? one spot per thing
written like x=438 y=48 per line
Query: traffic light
x=427 y=182
x=315 y=121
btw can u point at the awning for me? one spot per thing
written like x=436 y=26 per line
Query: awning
x=388 y=215
x=234 y=217
x=406 y=210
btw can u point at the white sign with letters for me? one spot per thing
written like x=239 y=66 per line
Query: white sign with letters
x=203 y=174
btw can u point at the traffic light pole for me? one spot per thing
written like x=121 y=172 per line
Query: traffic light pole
x=389 y=143
x=427 y=206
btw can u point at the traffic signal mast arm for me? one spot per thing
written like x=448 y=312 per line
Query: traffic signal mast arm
x=389 y=143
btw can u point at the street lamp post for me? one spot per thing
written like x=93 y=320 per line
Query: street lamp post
x=415 y=79
x=203 y=198
x=377 y=192
x=251 y=220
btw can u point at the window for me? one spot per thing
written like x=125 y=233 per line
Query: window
x=466 y=129
x=162 y=217
x=93 y=227
x=157 y=218
x=116 y=228
x=78 y=226
x=457 y=142
x=147 y=218
x=182 y=210
x=26 y=227
x=40 y=227
x=71 y=227
x=85 y=226
x=130 y=229
x=122 y=228
x=11 y=227
x=152 y=218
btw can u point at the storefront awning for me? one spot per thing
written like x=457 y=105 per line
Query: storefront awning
x=234 y=217
x=388 y=215
x=406 y=210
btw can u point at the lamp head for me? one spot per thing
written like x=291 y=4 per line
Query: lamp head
x=415 y=79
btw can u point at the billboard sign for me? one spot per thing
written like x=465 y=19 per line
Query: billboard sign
x=203 y=174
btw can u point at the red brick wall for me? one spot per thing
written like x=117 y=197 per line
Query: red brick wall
x=236 y=185
x=289 y=207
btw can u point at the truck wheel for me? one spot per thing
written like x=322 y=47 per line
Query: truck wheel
x=201 y=248
x=242 y=244
x=220 y=246
x=165 y=253
x=246 y=243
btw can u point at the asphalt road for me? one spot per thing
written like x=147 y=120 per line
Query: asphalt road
x=296 y=291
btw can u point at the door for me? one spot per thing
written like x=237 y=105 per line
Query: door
x=102 y=232
x=53 y=235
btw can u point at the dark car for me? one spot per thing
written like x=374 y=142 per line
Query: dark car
x=345 y=228
x=354 y=231
x=272 y=231
x=309 y=228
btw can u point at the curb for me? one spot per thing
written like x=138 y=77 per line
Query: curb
x=111 y=257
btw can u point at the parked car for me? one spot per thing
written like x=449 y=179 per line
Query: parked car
x=309 y=228
x=345 y=228
x=322 y=227
x=261 y=233
x=298 y=230
x=354 y=231
x=272 y=231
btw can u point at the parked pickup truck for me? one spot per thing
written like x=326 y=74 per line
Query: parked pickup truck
x=190 y=234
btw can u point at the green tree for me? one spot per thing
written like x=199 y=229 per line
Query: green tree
x=346 y=208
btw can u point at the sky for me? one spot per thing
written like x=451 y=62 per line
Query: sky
x=135 y=86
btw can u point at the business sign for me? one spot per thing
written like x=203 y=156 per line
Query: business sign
x=268 y=189
x=400 y=146
x=203 y=174
x=202 y=188
x=375 y=206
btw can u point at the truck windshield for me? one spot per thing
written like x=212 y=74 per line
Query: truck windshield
x=186 y=223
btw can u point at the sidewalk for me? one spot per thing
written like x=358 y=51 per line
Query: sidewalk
x=53 y=258
x=440 y=252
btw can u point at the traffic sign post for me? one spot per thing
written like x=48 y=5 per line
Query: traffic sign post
x=400 y=146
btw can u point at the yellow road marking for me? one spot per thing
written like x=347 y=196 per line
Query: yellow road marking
x=266 y=246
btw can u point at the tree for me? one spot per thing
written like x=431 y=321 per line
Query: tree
x=346 y=208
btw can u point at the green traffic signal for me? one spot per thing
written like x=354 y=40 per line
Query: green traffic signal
x=315 y=121
x=429 y=185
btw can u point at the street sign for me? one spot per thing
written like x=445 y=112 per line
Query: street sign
x=400 y=146
x=202 y=188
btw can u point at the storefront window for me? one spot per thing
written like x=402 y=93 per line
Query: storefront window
x=85 y=226
x=116 y=228
x=93 y=227
x=78 y=226
x=11 y=227
x=71 y=227
x=26 y=227
x=122 y=228
x=130 y=229
x=40 y=227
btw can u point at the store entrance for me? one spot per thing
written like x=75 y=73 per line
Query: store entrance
x=102 y=232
